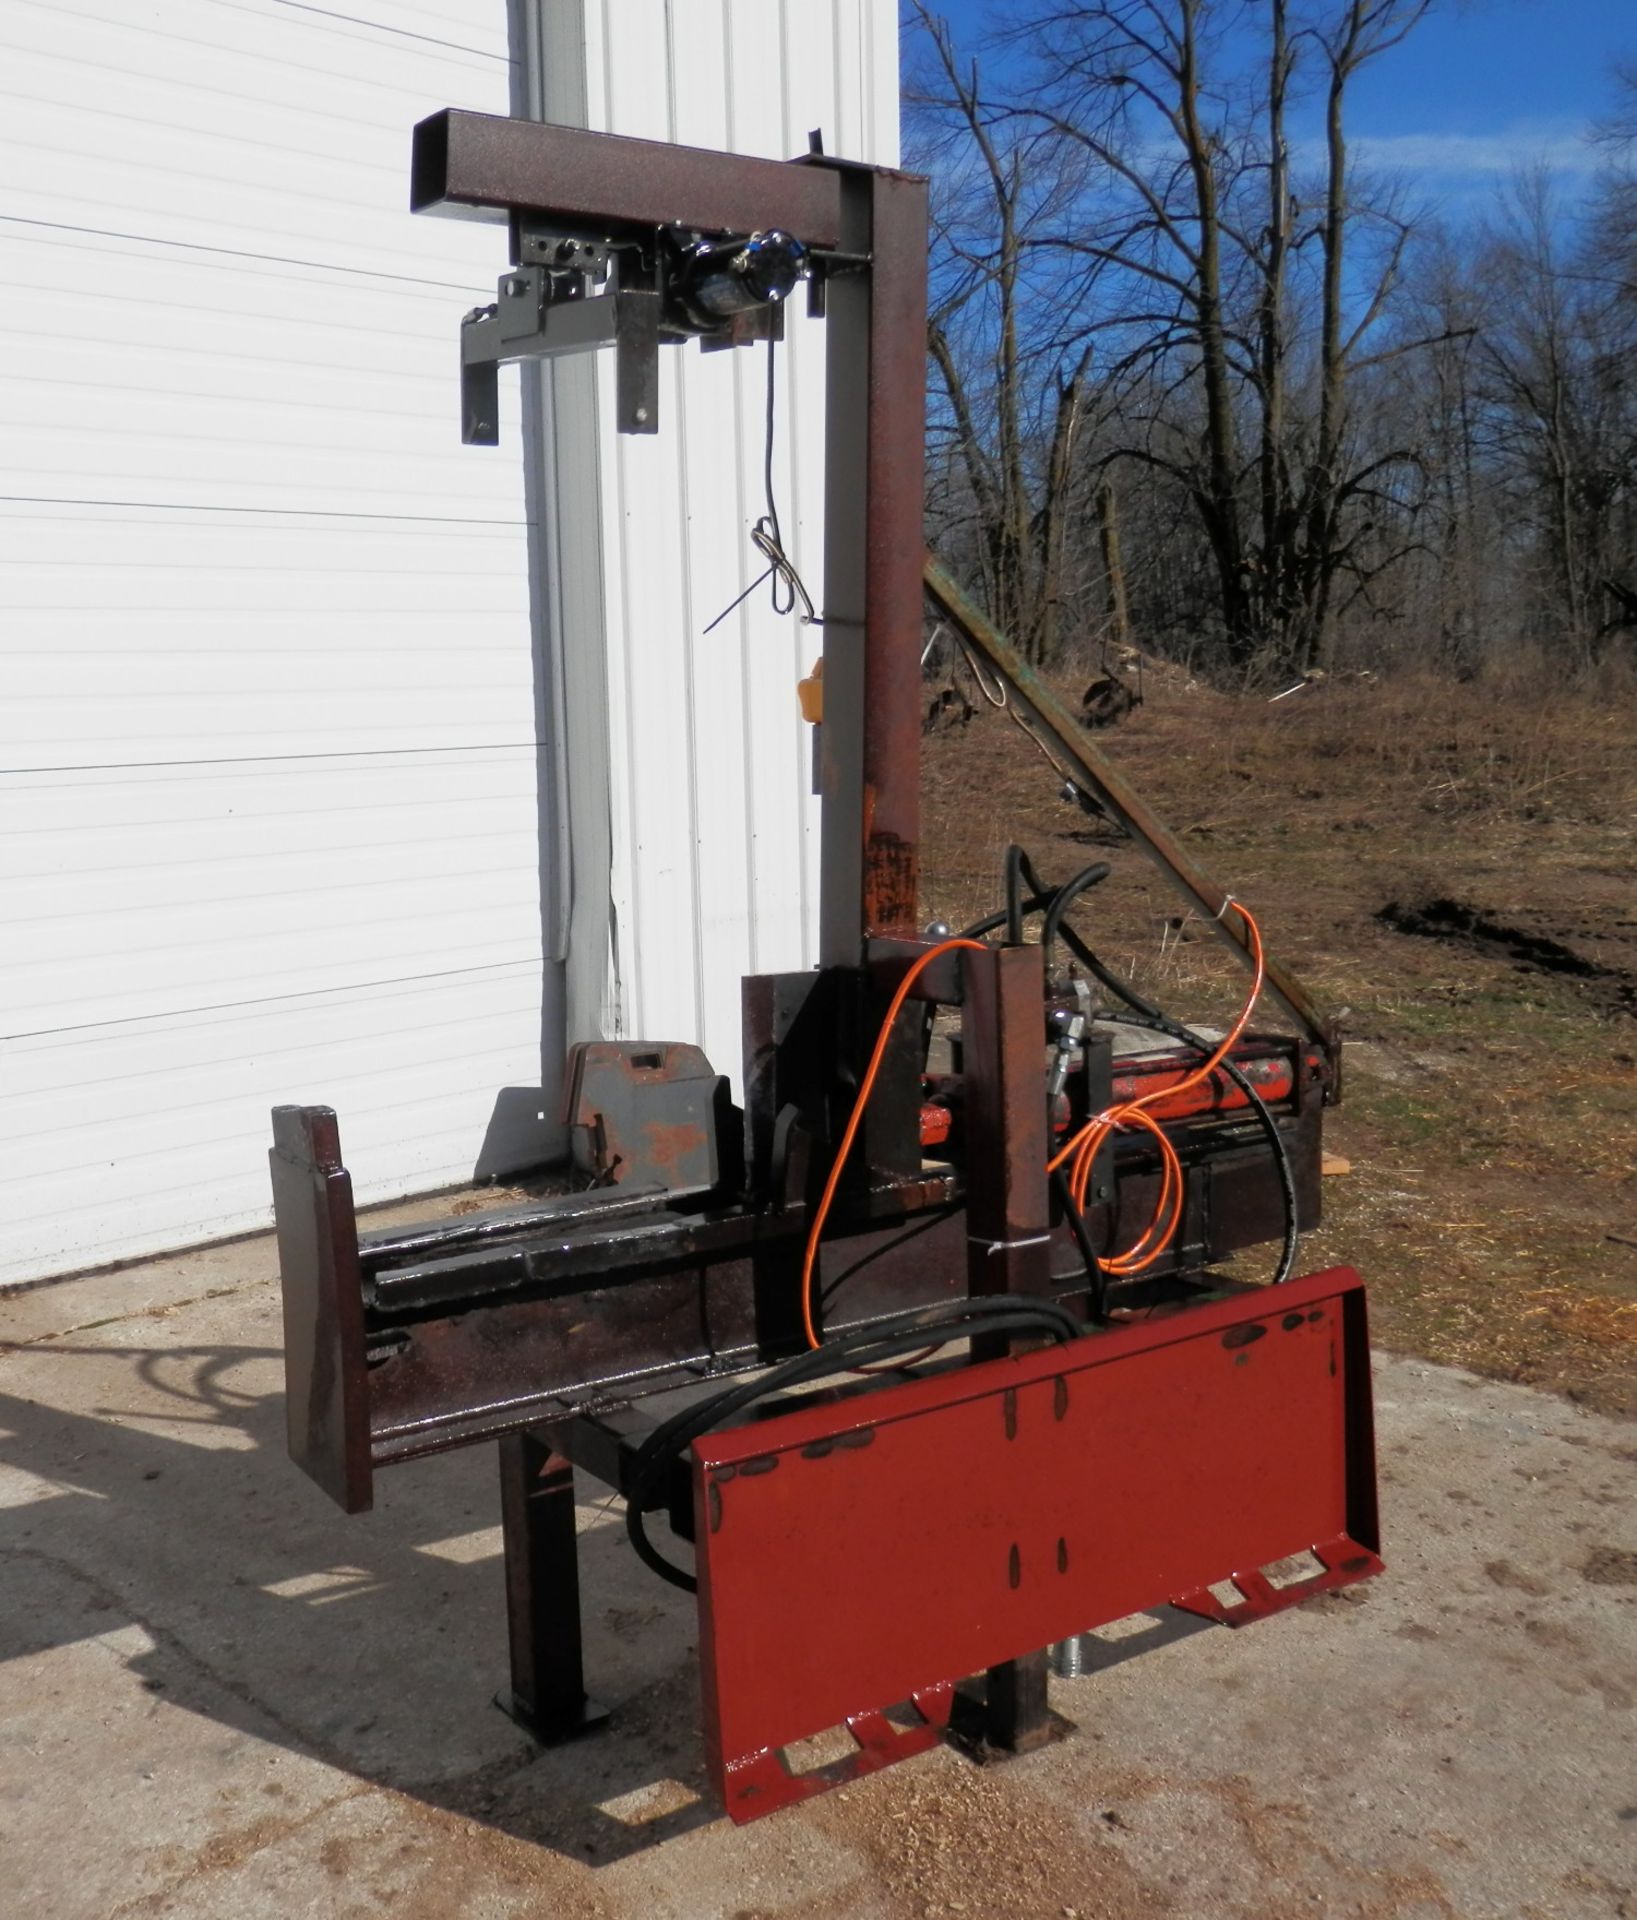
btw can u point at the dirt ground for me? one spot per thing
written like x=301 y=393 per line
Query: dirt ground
x=1452 y=868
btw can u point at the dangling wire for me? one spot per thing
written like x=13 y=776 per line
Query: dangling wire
x=767 y=539
x=766 y=530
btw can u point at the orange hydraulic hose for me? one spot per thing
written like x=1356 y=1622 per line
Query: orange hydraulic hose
x=1079 y=1151
x=1082 y=1148
x=866 y=1086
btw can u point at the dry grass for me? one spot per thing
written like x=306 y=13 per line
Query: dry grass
x=1491 y=1109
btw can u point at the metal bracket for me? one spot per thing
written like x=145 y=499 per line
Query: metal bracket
x=532 y=320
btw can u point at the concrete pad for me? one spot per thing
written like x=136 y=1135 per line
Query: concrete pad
x=219 y=1696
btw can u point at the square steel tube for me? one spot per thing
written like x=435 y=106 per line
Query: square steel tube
x=483 y=166
x=853 y=1556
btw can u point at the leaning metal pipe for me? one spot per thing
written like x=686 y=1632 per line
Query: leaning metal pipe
x=1115 y=795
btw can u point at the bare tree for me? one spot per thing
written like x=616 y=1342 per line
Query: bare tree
x=1015 y=400
x=1561 y=389
x=1229 y=317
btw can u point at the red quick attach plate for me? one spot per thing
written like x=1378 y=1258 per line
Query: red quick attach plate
x=857 y=1559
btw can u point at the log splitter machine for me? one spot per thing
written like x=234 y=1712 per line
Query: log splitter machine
x=959 y=1380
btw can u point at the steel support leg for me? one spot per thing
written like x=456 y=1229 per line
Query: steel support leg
x=1016 y=1716
x=547 y=1695
x=1008 y=1223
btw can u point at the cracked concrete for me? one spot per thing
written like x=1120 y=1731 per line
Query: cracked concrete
x=220 y=1696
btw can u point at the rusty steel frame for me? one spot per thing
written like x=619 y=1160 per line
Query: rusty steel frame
x=539 y=1326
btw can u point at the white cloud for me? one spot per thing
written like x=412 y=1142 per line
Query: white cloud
x=1445 y=155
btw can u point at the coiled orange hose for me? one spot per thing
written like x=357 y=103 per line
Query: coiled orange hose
x=1079 y=1152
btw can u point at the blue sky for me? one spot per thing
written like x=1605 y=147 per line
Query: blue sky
x=1477 y=89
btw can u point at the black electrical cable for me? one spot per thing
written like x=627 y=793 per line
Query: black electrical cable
x=783 y=601
x=882 y=1339
x=767 y=538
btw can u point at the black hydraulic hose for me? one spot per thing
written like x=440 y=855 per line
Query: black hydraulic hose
x=1029 y=873
x=883 y=1339
x=1064 y=898
x=1095 y=1272
x=1121 y=989
x=1036 y=903
x=1041 y=897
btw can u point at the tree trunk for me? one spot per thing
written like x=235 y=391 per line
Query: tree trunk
x=1222 y=454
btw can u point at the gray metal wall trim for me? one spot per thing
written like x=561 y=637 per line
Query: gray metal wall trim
x=563 y=482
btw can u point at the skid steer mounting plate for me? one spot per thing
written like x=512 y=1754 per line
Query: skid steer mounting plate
x=857 y=1559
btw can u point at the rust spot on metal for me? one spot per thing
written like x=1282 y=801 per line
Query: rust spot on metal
x=759 y=1463
x=723 y=1473
x=1062 y=1556
x=1244 y=1336
x=889 y=883
x=713 y=1500
x=1292 y=1321
x=1060 y=1396
x=859 y=1437
x=1014 y=1567
x=1316 y=1314
x=1008 y=1402
x=818 y=1449
x=670 y=1145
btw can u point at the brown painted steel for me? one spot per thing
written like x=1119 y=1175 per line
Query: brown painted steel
x=1008 y=1212
x=542 y=1590
x=369 y=1384
x=327 y=1388
x=483 y=166
x=1008 y=1225
x=875 y=428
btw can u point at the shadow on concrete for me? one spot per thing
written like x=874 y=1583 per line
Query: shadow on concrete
x=374 y=1643
x=160 y=1497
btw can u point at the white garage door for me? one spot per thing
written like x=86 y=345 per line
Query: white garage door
x=270 y=768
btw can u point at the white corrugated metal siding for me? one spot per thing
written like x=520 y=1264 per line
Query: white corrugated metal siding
x=714 y=830
x=270 y=759
x=277 y=788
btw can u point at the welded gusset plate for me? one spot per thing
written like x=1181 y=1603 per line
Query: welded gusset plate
x=877 y=1550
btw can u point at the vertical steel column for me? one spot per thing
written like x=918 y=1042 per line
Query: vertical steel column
x=875 y=463
x=1003 y=1058
x=1008 y=1224
x=547 y=1695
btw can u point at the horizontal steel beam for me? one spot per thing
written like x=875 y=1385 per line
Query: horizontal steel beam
x=481 y=166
